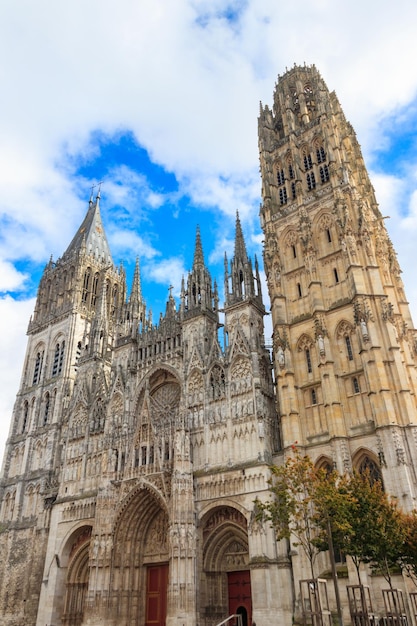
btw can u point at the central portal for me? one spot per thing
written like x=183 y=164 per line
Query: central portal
x=156 y=594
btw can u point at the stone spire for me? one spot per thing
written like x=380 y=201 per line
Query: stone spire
x=91 y=236
x=241 y=272
x=199 y=295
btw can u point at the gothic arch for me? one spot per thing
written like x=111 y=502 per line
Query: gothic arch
x=74 y=562
x=344 y=329
x=225 y=554
x=325 y=463
x=304 y=342
x=140 y=539
x=365 y=461
x=157 y=376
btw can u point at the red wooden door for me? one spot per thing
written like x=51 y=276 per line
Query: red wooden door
x=240 y=597
x=156 y=595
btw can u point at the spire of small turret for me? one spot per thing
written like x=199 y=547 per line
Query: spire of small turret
x=199 y=294
x=136 y=291
x=240 y=247
x=198 y=251
x=241 y=272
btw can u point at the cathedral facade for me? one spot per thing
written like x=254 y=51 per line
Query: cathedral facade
x=137 y=450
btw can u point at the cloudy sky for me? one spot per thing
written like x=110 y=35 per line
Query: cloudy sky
x=159 y=100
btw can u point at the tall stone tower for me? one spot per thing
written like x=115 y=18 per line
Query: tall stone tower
x=344 y=343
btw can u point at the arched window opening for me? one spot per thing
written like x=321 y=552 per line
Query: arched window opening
x=324 y=174
x=311 y=181
x=369 y=468
x=349 y=348
x=86 y=286
x=47 y=408
x=308 y=162
x=336 y=275
x=38 y=368
x=313 y=396
x=94 y=290
x=56 y=360
x=356 y=386
x=25 y=416
x=280 y=177
x=329 y=235
x=308 y=361
x=321 y=154
x=283 y=197
x=300 y=293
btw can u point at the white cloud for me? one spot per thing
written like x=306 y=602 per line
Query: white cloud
x=10 y=278
x=166 y=271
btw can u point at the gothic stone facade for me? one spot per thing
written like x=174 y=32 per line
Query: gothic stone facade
x=136 y=450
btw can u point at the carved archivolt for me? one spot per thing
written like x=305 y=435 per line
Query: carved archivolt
x=225 y=541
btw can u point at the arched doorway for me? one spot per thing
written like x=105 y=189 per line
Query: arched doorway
x=76 y=586
x=226 y=583
x=139 y=571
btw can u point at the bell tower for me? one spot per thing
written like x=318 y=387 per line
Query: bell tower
x=75 y=319
x=344 y=343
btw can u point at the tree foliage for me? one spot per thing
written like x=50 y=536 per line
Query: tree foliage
x=308 y=503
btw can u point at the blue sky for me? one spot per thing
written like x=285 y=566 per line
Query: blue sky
x=159 y=100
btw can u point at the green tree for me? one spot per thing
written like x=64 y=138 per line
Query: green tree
x=372 y=530
x=409 y=557
x=298 y=504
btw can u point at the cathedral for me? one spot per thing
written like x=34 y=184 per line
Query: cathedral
x=137 y=450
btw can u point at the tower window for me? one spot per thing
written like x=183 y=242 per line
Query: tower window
x=308 y=361
x=294 y=251
x=291 y=171
x=356 y=386
x=38 y=368
x=349 y=348
x=25 y=416
x=144 y=455
x=280 y=177
x=94 y=290
x=311 y=181
x=56 y=361
x=313 y=396
x=47 y=407
x=329 y=235
x=324 y=174
x=283 y=196
x=86 y=286
x=293 y=191
x=300 y=293
x=321 y=155
x=58 y=358
x=308 y=162
x=336 y=275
